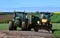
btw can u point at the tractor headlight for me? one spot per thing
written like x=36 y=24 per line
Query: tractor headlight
x=44 y=20
x=38 y=22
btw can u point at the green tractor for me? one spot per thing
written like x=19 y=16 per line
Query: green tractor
x=26 y=21
x=33 y=22
x=45 y=21
x=19 y=20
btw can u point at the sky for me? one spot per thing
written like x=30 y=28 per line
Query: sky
x=30 y=5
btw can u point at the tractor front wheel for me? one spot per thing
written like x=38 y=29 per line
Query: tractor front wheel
x=36 y=28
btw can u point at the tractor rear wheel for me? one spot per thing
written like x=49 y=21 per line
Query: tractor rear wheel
x=24 y=26
x=11 y=26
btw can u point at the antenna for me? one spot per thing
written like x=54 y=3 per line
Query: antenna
x=14 y=14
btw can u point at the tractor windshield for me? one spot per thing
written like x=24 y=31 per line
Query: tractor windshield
x=19 y=15
x=45 y=15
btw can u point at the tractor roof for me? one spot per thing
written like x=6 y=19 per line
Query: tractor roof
x=45 y=12
x=21 y=12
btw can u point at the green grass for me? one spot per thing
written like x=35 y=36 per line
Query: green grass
x=4 y=26
x=55 y=26
x=57 y=34
x=55 y=18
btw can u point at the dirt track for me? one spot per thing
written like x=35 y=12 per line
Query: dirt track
x=24 y=34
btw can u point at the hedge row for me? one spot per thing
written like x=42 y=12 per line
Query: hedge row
x=5 y=18
x=55 y=18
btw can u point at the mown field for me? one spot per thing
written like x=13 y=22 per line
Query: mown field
x=55 y=26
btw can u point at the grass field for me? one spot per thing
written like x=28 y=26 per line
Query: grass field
x=55 y=18
x=4 y=26
x=55 y=26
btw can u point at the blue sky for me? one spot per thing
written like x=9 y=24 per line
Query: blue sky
x=30 y=5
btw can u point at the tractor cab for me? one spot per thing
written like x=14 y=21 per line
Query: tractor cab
x=45 y=20
x=19 y=20
x=21 y=15
x=45 y=16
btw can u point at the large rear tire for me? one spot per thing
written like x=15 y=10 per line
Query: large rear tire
x=24 y=26
x=11 y=26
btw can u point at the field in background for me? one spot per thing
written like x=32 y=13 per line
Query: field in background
x=55 y=18
x=5 y=18
x=55 y=26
